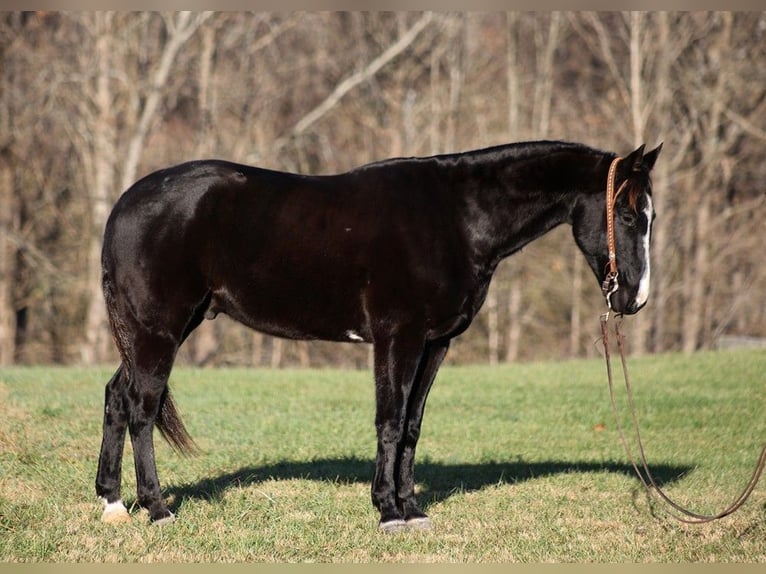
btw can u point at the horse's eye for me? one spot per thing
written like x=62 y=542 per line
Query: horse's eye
x=628 y=218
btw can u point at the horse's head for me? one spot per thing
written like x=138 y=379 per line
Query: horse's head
x=632 y=215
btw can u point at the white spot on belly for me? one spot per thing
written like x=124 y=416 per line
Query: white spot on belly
x=643 y=285
x=354 y=336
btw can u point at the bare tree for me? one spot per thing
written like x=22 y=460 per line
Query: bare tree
x=33 y=221
x=89 y=101
x=204 y=342
x=711 y=173
x=546 y=37
x=513 y=79
x=8 y=209
x=7 y=256
x=350 y=82
x=100 y=157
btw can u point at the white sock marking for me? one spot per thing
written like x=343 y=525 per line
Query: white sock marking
x=116 y=506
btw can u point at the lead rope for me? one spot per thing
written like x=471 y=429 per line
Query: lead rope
x=609 y=286
x=689 y=517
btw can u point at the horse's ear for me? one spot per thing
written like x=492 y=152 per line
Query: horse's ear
x=635 y=158
x=651 y=157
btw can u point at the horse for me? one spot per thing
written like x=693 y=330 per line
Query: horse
x=398 y=253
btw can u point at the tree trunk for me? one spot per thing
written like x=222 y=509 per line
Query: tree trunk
x=642 y=325
x=493 y=335
x=512 y=75
x=513 y=332
x=277 y=345
x=256 y=351
x=456 y=59
x=513 y=338
x=711 y=178
x=7 y=259
x=544 y=81
x=204 y=342
x=575 y=328
x=434 y=133
x=661 y=175
x=304 y=357
x=104 y=157
x=695 y=282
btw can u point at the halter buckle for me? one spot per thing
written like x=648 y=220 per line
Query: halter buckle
x=609 y=286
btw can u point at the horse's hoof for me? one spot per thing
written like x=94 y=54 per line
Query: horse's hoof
x=392 y=526
x=115 y=512
x=419 y=523
x=164 y=521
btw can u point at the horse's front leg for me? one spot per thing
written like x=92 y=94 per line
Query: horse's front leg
x=431 y=361
x=396 y=365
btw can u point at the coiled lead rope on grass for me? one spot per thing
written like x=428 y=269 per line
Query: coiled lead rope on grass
x=689 y=517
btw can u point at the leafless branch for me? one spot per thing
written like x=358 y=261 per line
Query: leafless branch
x=349 y=83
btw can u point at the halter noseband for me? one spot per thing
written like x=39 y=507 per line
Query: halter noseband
x=610 y=285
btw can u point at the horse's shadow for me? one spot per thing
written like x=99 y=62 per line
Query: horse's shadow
x=438 y=481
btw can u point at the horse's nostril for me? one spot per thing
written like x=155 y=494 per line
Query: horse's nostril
x=632 y=307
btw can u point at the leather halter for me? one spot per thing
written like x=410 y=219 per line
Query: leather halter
x=610 y=285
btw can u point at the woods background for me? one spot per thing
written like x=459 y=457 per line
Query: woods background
x=89 y=102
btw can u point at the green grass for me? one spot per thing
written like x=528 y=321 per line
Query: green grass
x=512 y=466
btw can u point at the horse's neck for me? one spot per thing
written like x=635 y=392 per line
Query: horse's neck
x=514 y=202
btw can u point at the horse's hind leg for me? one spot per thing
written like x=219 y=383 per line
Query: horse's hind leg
x=133 y=403
x=153 y=361
x=137 y=397
x=109 y=473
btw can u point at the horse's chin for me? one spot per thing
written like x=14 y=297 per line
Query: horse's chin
x=620 y=305
x=633 y=308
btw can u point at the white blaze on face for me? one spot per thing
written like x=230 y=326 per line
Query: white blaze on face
x=643 y=285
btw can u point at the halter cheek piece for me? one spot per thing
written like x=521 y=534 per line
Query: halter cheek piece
x=610 y=285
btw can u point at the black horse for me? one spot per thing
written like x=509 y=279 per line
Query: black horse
x=398 y=253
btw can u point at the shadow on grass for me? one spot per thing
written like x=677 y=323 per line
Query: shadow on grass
x=438 y=481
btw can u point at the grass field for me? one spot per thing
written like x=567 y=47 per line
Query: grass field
x=518 y=463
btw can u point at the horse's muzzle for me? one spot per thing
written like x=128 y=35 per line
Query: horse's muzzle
x=624 y=303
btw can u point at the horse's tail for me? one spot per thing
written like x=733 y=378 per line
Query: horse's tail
x=116 y=324
x=168 y=419
x=172 y=427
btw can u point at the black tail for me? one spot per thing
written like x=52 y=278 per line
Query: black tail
x=116 y=324
x=168 y=420
x=172 y=427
